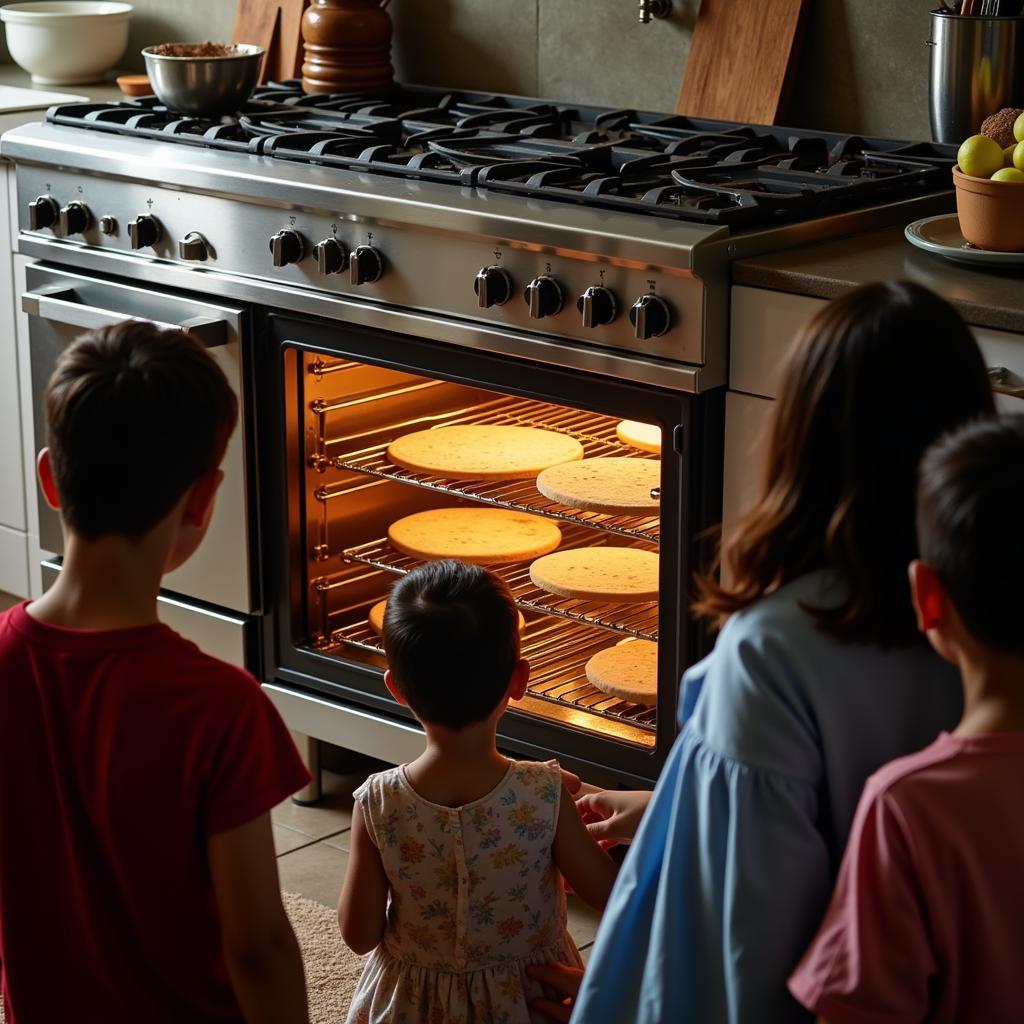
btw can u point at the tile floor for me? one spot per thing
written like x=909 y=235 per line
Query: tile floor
x=312 y=851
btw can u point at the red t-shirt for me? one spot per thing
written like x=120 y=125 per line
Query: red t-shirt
x=121 y=753
x=927 y=920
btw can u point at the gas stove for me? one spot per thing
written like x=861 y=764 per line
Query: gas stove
x=709 y=172
x=599 y=238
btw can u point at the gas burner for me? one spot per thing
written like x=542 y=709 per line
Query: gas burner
x=711 y=172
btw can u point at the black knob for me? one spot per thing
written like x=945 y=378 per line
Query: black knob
x=597 y=306
x=366 y=264
x=74 y=219
x=144 y=231
x=650 y=317
x=493 y=287
x=43 y=212
x=544 y=296
x=193 y=247
x=331 y=256
x=108 y=225
x=286 y=247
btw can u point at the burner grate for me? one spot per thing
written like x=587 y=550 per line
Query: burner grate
x=558 y=653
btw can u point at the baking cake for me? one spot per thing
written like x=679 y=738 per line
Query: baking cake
x=483 y=453
x=615 y=486
x=644 y=436
x=599 y=574
x=484 y=536
x=628 y=671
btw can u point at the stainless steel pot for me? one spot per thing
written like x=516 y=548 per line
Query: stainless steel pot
x=204 y=86
x=977 y=67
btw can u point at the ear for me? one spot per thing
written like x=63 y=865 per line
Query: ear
x=518 y=680
x=929 y=597
x=200 y=498
x=389 y=682
x=44 y=470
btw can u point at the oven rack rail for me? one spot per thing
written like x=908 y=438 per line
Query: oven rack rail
x=638 y=620
x=558 y=653
x=595 y=432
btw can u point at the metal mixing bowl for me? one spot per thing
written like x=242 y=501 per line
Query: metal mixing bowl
x=203 y=86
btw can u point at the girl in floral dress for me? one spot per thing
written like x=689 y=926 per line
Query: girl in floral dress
x=454 y=874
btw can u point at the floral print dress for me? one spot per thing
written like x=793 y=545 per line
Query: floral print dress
x=475 y=897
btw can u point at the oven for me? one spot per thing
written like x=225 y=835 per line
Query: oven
x=214 y=596
x=340 y=395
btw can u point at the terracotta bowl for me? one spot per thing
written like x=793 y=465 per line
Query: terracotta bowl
x=991 y=212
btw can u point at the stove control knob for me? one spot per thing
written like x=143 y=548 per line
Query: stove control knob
x=74 y=219
x=597 y=306
x=194 y=248
x=43 y=212
x=650 y=317
x=331 y=256
x=544 y=297
x=493 y=287
x=108 y=225
x=366 y=265
x=287 y=247
x=144 y=231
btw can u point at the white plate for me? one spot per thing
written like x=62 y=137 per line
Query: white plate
x=941 y=235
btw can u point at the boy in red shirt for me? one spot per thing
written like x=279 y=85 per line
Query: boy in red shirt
x=927 y=920
x=137 y=872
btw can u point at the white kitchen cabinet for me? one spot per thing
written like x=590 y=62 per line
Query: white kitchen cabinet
x=14 y=575
x=763 y=326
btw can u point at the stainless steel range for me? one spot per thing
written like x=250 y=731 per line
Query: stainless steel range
x=373 y=266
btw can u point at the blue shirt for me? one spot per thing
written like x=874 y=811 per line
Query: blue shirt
x=733 y=865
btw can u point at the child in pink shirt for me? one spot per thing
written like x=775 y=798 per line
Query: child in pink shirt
x=927 y=920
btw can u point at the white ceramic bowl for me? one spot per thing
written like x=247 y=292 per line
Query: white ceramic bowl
x=66 y=42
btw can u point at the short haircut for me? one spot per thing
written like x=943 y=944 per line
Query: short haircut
x=451 y=634
x=970 y=507
x=135 y=415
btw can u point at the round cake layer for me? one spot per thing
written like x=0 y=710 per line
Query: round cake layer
x=628 y=671
x=483 y=453
x=484 y=536
x=599 y=574
x=615 y=486
x=644 y=436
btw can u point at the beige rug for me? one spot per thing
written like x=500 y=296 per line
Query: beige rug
x=332 y=969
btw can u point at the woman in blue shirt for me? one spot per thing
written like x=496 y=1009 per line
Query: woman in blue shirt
x=818 y=678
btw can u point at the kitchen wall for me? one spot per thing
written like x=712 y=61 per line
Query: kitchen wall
x=864 y=66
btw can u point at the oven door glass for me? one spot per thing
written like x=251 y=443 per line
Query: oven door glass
x=347 y=397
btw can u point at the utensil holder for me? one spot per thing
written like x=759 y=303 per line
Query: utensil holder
x=977 y=67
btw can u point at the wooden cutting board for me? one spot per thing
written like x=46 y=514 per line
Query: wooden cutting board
x=276 y=25
x=742 y=59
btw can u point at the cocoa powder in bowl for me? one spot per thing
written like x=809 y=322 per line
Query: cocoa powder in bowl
x=196 y=50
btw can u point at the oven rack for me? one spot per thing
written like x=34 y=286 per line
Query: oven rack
x=558 y=653
x=594 y=431
x=638 y=619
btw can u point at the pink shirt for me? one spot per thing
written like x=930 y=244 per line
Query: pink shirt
x=927 y=920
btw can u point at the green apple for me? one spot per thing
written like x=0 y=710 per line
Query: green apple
x=979 y=156
x=1008 y=155
x=1018 y=128
x=1009 y=174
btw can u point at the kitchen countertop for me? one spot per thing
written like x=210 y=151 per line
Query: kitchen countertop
x=11 y=74
x=983 y=297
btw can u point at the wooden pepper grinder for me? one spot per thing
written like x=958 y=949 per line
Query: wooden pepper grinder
x=348 y=46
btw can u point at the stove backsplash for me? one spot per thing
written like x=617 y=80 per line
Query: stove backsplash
x=864 y=66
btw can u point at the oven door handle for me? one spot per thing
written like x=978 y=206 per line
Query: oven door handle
x=60 y=304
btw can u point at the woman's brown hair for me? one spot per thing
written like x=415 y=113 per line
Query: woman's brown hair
x=870 y=383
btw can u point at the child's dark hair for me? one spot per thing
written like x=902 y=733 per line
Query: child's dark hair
x=877 y=376
x=970 y=507
x=135 y=415
x=451 y=633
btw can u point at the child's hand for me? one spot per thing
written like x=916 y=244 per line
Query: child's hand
x=564 y=980
x=613 y=816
